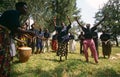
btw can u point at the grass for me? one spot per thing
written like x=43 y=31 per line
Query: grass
x=48 y=65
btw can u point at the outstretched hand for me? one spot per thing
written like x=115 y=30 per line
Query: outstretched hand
x=54 y=20
x=69 y=19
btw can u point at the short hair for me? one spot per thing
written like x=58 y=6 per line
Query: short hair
x=20 y=4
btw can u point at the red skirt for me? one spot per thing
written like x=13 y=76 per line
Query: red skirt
x=54 y=45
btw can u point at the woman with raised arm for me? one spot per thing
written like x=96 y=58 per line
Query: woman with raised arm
x=62 y=38
x=88 y=40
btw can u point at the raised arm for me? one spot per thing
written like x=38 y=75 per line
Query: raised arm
x=69 y=19
x=100 y=22
x=78 y=21
x=54 y=20
x=25 y=31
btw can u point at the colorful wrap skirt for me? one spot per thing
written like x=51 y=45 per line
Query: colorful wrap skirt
x=5 y=57
x=62 y=49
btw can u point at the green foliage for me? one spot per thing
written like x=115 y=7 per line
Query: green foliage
x=112 y=22
x=6 y=5
x=43 y=11
x=112 y=12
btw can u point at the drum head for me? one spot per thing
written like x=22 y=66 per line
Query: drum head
x=24 y=48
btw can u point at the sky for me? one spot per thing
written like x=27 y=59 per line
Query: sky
x=89 y=8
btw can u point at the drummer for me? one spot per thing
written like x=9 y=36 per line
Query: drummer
x=9 y=22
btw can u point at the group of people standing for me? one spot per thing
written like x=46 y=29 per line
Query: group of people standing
x=10 y=28
x=88 y=37
x=39 y=42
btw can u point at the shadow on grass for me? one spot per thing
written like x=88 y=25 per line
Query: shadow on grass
x=16 y=62
x=108 y=72
x=57 y=59
x=62 y=70
x=103 y=58
x=63 y=60
x=54 y=60
x=32 y=73
x=66 y=69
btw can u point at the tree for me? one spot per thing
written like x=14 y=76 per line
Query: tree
x=43 y=11
x=112 y=10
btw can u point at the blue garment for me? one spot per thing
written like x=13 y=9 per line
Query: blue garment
x=39 y=43
x=46 y=34
x=35 y=31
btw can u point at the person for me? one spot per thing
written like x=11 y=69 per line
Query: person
x=46 y=40
x=88 y=41
x=62 y=38
x=106 y=44
x=81 y=38
x=39 y=41
x=71 y=43
x=54 y=42
x=32 y=41
x=22 y=37
x=10 y=26
x=95 y=39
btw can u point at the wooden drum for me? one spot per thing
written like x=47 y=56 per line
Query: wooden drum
x=24 y=53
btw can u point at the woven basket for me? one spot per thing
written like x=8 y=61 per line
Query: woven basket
x=24 y=53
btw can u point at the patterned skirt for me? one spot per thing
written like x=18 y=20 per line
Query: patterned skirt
x=5 y=57
x=62 y=49
x=106 y=48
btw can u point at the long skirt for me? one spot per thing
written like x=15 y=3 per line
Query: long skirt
x=72 y=46
x=106 y=48
x=54 y=45
x=5 y=57
x=62 y=49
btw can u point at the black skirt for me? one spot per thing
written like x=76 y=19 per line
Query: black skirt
x=106 y=48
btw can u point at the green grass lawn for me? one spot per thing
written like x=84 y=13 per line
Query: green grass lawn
x=48 y=65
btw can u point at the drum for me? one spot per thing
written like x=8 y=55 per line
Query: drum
x=24 y=53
